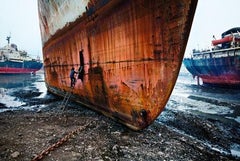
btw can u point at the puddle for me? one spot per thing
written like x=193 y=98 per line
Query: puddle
x=235 y=150
x=12 y=83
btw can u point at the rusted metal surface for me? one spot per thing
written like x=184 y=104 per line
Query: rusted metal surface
x=130 y=51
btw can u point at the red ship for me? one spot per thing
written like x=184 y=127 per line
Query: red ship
x=221 y=65
x=14 y=61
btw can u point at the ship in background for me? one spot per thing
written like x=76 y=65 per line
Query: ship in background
x=127 y=53
x=219 y=66
x=14 y=61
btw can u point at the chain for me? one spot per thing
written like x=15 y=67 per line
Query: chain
x=59 y=143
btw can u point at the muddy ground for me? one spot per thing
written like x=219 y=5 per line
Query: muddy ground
x=26 y=133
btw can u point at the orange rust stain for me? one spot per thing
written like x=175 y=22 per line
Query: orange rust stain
x=132 y=56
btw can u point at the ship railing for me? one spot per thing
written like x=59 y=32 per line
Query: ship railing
x=217 y=53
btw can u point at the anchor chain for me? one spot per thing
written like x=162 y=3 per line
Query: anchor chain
x=59 y=143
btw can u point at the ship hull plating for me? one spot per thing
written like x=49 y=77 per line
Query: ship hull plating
x=130 y=53
x=223 y=70
x=24 y=67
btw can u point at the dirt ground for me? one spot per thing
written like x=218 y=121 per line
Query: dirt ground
x=27 y=133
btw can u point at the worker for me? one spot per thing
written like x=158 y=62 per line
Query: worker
x=72 y=77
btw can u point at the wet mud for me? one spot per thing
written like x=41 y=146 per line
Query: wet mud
x=39 y=122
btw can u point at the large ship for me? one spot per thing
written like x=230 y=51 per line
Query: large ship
x=14 y=61
x=127 y=53
x=219 y=66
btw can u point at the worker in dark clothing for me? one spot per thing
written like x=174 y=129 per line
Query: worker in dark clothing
x=72 y=77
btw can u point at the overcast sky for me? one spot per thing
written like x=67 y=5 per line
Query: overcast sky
x=20 y=19
x=212 y=17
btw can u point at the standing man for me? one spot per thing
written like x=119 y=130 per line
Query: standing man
x=72 y=77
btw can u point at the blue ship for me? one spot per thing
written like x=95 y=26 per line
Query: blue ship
x=219 y=66
x=14 y=61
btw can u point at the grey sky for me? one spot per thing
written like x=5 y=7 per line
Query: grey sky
x=212 y=17
x=20 y=18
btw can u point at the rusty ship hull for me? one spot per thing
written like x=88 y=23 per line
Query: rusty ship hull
x=130 y=53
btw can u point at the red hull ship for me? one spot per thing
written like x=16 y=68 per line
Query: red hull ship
x=221 y=65
x=128 y=53
x=14 y=61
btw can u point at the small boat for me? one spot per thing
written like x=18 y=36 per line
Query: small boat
x=14 y=61
x=127 y=53
x=219 y=66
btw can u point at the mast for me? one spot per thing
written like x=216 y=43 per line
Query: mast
x=8 y=39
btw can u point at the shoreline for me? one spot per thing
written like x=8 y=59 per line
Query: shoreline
x=40 y=123
x=28 y=133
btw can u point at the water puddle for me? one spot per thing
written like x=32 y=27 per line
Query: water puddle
x=42 y=88
x=17 y=83
x=10 y=102
x=235 y=150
